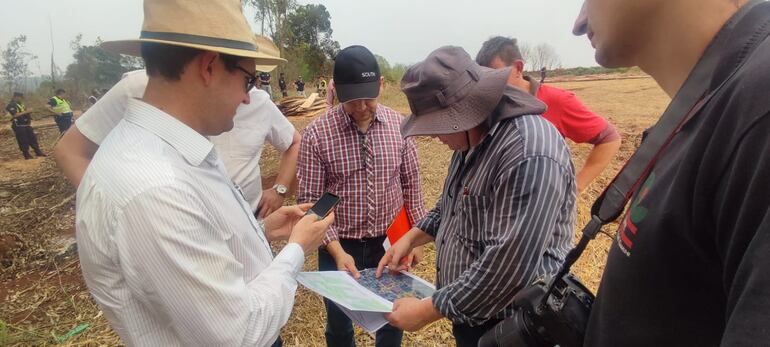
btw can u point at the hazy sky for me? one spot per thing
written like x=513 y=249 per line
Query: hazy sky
x=403 y=31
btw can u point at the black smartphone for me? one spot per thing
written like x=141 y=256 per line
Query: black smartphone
x=324 y=205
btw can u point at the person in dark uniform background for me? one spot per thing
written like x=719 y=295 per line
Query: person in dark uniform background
x=282 y=85
x=264 y=83
x=61 y=109
x=21 y=123
x=300 y=84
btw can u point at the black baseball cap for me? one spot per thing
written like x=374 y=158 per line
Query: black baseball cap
x=356 y=74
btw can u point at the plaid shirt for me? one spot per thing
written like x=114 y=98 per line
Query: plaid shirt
x=373 y=173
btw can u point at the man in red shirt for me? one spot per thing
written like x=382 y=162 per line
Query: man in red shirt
x=573 y=119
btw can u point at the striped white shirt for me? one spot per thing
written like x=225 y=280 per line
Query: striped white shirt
x=168 y=246
x=505 y=217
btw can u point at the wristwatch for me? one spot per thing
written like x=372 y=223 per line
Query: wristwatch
x=281 y=189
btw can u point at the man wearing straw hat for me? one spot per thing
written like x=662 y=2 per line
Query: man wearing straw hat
x=240 y=148
x=507 y=209
x=169 y=248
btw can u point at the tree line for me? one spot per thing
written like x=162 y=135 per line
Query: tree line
x=303 y=33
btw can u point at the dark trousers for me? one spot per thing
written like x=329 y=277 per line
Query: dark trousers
x=26 y=138
x=468 y=336
x=339 y=329
x=277 y=343
x=63 y=122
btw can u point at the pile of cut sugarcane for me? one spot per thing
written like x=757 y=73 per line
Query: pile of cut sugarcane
x=294 y=106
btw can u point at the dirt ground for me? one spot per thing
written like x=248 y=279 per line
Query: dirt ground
x=43 y=293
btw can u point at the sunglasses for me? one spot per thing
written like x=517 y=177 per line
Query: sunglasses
x=251 y=79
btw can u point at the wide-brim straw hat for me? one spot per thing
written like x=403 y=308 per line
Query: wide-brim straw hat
x=449 y=93
x=209 y=25
x=272 y=54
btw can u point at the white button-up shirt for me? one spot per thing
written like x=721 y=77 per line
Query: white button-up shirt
x=168 y=246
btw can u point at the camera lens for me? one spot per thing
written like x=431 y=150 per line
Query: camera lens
x=517 y=331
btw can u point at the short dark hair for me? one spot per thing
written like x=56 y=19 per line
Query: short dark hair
x=169 y=61
x=503 y=47
x=59 y=91
x=18 y=94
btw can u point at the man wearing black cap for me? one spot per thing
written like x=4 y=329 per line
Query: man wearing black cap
x=507 y=209
x=356 y=152
x=21 y=123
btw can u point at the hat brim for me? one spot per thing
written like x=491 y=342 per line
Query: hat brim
x=133 y=47
x=349 y=92
x=466 y=114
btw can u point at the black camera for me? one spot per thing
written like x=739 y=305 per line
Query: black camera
x=552 y=311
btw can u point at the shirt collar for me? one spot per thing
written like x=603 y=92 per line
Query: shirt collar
x=343 y=116
x=193 y=146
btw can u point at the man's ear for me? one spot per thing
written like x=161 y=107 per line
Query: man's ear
x=206 y=64
x=518 y=67
x=382 y=84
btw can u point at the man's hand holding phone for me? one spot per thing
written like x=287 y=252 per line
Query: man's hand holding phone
x=309 y=232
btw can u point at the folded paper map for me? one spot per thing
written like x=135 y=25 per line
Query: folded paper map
x=366 y=299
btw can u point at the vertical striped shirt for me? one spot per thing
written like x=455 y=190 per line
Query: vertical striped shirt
x=168 y=246
x=505 y=217
x=374 y=172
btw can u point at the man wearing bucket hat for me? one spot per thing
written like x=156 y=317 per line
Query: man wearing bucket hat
x=356 y=151
x=506 y=213
x=169 y=248
x=240 y=149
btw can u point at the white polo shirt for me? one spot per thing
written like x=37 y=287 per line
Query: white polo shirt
x=240 y=149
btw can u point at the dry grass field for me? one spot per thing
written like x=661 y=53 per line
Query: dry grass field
x=43 y=293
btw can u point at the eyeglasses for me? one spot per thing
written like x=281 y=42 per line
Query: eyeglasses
x=251 y=79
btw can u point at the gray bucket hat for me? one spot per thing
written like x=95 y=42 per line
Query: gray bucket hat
x=449 y=93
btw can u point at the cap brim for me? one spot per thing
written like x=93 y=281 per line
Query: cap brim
x=349 y=92
x=472 y=110
x=133 y=47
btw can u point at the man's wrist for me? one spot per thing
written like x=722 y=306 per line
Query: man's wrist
x=431 y=313
x=281 y=189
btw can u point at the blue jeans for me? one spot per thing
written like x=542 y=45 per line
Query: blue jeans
x=339 y=329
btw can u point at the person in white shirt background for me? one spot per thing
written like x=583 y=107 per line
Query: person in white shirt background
x=240 y=148
x=169 y=248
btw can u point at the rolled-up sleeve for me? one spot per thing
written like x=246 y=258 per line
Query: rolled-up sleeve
x=179 y=264
x=522 y=216
x=430 y=223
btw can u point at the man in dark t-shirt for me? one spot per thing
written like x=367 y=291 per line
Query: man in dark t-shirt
x=690 y=264
x=21 y=123
x=300 y=84
x=264 y=83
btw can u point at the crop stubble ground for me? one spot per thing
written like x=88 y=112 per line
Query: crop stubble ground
x=44 y=295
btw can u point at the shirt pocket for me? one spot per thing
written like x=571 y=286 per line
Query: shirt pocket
x=343 y=169
x=473 y=211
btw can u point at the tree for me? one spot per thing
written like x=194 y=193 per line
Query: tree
x=308 y=39
x=272 y=16
x=545 y=56
x=391 y=73
x=15 y=65
x=95 y=68
x=302 y=33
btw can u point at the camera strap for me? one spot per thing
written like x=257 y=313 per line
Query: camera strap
x=694 y=94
